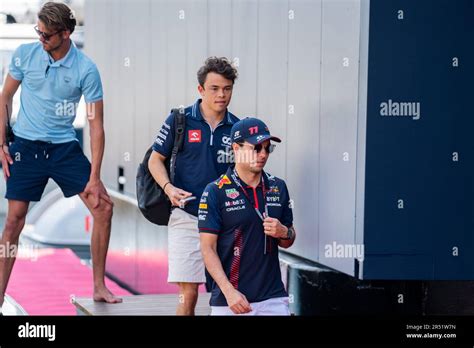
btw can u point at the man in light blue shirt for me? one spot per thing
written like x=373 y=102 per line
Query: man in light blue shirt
x=51 y=91
x=54 y=75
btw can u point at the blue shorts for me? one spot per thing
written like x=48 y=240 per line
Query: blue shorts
x=34 y=162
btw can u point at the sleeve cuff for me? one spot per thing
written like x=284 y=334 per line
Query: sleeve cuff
x=208 y=230
x=17 y=77
x=94 y=100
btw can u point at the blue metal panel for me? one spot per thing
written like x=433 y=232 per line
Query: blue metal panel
x=411 y=60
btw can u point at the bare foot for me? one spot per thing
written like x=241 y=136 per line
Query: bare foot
x=104 y=295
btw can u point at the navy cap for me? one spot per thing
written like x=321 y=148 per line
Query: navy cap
x=252 y=130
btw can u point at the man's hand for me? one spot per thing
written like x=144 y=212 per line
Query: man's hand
x=175 y=194
x=6 y=161
x=237 y=301
x=274 y=228
x=96 y=188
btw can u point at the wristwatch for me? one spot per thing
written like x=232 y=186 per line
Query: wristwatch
x=289 y=234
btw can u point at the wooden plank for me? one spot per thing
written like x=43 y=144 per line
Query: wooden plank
x=163 y=304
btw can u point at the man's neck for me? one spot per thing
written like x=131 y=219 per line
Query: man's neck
x=212 y=117
x=61 y=51
x=250 y=178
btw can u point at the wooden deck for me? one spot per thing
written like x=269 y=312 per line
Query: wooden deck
x=163 y=304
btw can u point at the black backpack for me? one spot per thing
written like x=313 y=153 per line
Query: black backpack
x=152 y=200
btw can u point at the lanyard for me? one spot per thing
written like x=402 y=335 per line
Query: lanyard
x=236 y=179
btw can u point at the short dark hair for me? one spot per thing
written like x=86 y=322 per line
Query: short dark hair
x=221 y=66
x=58 y=16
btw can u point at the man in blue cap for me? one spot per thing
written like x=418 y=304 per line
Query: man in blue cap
x=247 y=215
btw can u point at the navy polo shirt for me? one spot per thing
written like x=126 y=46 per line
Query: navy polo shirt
x=206 y=153
x=228 y=213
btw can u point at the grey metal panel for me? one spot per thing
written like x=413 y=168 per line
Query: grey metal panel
x=98 y=47
x=362 y=124
x=143 y=96
x=112 y=102
x=196 y=46
x=126 y=98
x=158 y=104
x=338 y=129
x=244 y=54
x=122 y=254
x=302 y=136
x=272 y=74
x=219 y=27
x=176 y=51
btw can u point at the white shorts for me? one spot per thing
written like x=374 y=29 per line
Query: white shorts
x=185 y=262
x=272 y=306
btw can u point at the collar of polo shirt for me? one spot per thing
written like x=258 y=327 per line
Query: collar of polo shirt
x=196 y=113
x=66 y=61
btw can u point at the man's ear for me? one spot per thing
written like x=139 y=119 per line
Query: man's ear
x=200 y=89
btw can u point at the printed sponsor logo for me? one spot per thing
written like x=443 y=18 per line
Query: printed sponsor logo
x=202 y=206
x=202 y=217
x=232 y=193
x=234 y=203
x=260 y=137
x=273 y=199
x=238 y=207
x=194 y=136
x=223 y=181
x=226 y=140
x=274 y=204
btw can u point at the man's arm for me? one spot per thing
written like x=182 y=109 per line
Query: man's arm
x=156 y=165
x=6 y=99
x=95 y=187
x=237 y=301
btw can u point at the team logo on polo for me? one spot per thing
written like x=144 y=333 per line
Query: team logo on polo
x=232 y=193
x=194 y=136
x=274 y=189
x=223 y=181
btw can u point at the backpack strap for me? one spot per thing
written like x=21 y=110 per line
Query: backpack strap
x=179 y=125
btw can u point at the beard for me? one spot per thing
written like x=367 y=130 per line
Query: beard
x=50 y=48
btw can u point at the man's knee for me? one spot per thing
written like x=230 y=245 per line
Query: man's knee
x=13 y=226
x=188 y=292
x=103 y=212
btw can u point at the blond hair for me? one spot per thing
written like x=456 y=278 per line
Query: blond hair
x=57 y=16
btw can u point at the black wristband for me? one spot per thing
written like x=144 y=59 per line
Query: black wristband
x=289 y=234
x=164 y=186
